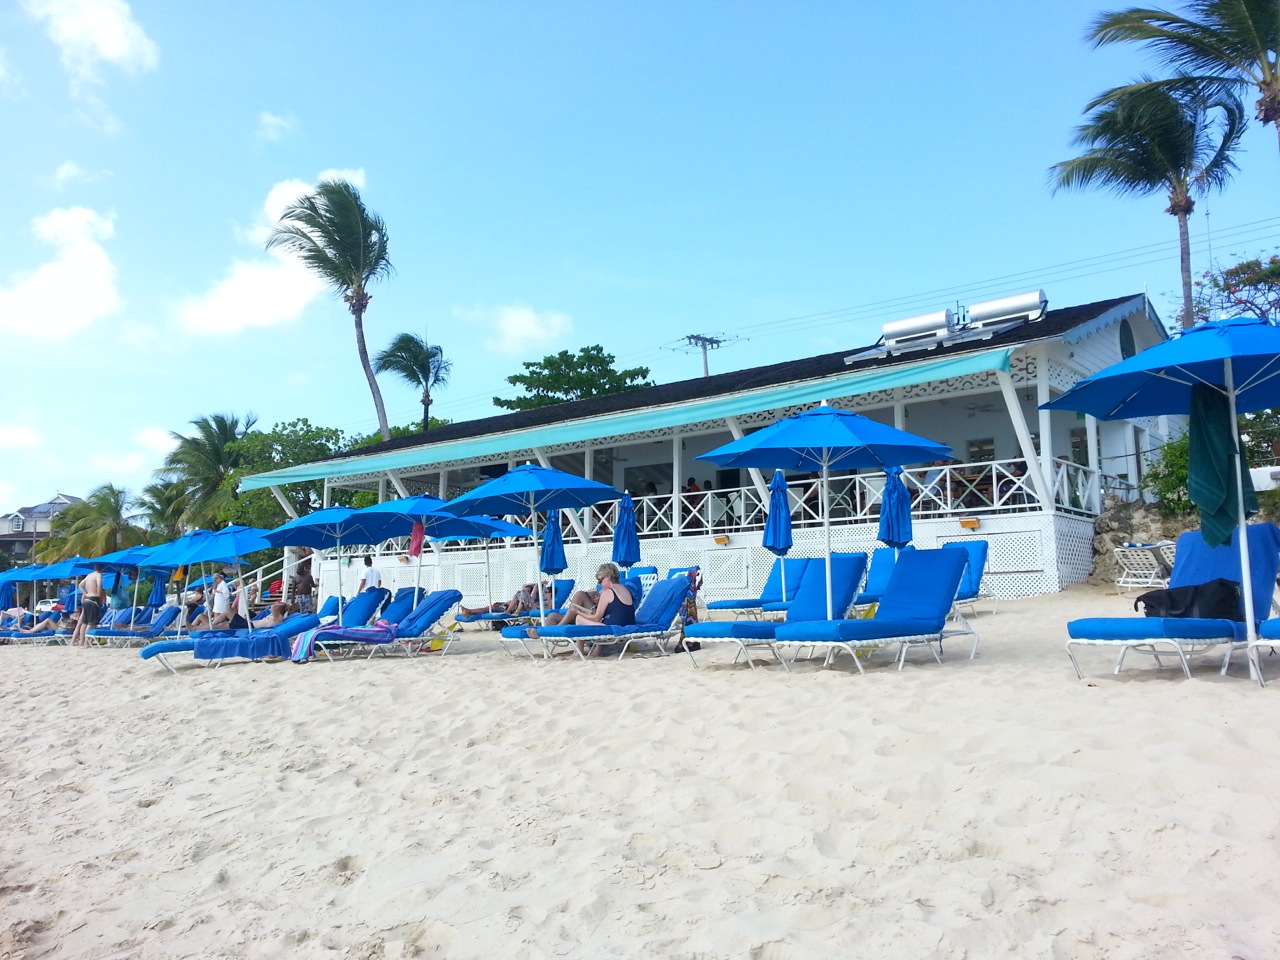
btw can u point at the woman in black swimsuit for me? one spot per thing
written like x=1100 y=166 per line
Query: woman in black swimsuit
x=615 y=608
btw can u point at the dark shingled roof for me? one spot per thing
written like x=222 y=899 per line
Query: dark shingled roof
x=1053 y=324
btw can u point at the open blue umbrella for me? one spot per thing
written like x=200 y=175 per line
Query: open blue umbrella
x=824 y=439
x=331 y=528
x=895 y=511
x=401 y=516
x=777 y=525
x=626 y=541
x=1239 y=360
x=529 y=489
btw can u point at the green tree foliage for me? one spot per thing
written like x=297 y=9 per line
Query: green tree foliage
x=1251 y=288
x=420 y=364
x=1230 y=44
x=564 y=376
x=345 y=244
x=1144 y=139
x=202 y=463
x=160 y=506
x=284 y=445
x=103 y=522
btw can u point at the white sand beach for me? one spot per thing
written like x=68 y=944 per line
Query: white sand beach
x=481 y=806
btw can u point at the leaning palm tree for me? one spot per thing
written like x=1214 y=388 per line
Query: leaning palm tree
x=101 y=523
x=203 y=464
x=418 y=363
x=161 y=506
x=1145 y=139
x=1231 y=43
x=345 y=244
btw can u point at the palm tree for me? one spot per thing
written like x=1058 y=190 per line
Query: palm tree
x=203 y=464
x=161 y=506
x=101 y=523
x=419 y=364
x=1143 y=139
x=1230 y=43
x=345 y=244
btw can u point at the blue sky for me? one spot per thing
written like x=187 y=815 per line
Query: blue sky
x=552 y=174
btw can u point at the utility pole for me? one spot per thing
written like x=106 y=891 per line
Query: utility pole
x=704 y=343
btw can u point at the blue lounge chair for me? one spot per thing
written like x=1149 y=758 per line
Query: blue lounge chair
x=881 y=569
x=384 y=635
x=562 y=590
x=222 y=645
x=1195 y=563
x=123 y=637
x=657 y=616
x=810 y=603
x=912 y=612
x=772 y=592
x=971 y=585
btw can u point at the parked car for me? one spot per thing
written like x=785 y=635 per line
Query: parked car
x=44 y=606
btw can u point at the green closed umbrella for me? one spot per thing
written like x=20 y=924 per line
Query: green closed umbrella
x=1215 y=466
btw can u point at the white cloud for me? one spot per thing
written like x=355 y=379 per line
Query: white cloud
x=267 y=291
x=66 y=172
x=518 y=330
x=92 y=32
x=15 y=437
x=156 y=439
x=71 y=291
x=272 y=127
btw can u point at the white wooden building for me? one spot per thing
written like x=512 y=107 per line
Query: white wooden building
x=974 y=385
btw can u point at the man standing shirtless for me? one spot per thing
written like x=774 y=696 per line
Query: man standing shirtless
x=92 y=603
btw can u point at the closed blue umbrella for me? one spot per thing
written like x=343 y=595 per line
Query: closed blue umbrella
x=529 y=489
x=777 y=525
x=1240 y=360
x=895 y=511
x=552 y=559
x=824 y=439
x=626 y=541
x=157 y=596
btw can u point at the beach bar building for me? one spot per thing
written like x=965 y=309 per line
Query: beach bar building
x=1030 y=482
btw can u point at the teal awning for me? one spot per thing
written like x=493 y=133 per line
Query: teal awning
x=645 y=418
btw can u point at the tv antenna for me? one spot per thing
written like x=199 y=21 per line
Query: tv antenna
x=705 y=342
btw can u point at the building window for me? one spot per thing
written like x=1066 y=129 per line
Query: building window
x=1127 y=347
x=981 y=451
x=16 y=524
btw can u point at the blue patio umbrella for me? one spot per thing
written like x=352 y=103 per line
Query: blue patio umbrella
x=824 y=439
x=626 y=541
x=529 y=489
x=1238 y=359
x=157 y=596
x=777 y=525
x=895 y=511
x=331 y=528
x=401 y=516
x=552 y=559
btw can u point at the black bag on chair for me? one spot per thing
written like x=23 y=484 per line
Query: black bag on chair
x=1215 y=600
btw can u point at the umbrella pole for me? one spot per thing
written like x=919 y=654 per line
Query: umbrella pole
x=417 y=580
x=542 y=603
x=340 y=581
x=243 y=600
x=1246 y=573
x=826 y=529
x=133 y=611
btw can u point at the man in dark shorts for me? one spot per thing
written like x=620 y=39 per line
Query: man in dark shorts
x=92 y=602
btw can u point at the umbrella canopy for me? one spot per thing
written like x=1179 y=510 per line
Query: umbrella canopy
x=825 y=439
x=552 y=559
x=777 y=525
x=1238 y=359
x=895 y=511
x=128 y=557
x=529 y=489
x=626 y=541
x=66 y=569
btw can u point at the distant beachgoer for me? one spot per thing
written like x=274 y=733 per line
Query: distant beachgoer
x=372 y=576
x=525 y=599
x=93 y=602
x=304 y=586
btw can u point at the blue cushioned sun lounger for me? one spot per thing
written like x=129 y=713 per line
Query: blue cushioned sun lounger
x=384 y=635
x=226 y=644
x=772 y=592
x=882 y=563
x=971 y=585
x=657 y=616
x=1195 y=563
x=810 y=603
x=911 y=612
x=123 y=637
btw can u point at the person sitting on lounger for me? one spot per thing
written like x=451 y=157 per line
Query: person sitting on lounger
x=616 y=607
x=525 y=599
x=47 y=625
x=279 y=611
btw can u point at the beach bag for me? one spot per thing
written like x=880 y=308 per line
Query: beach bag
x=1216 y=600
